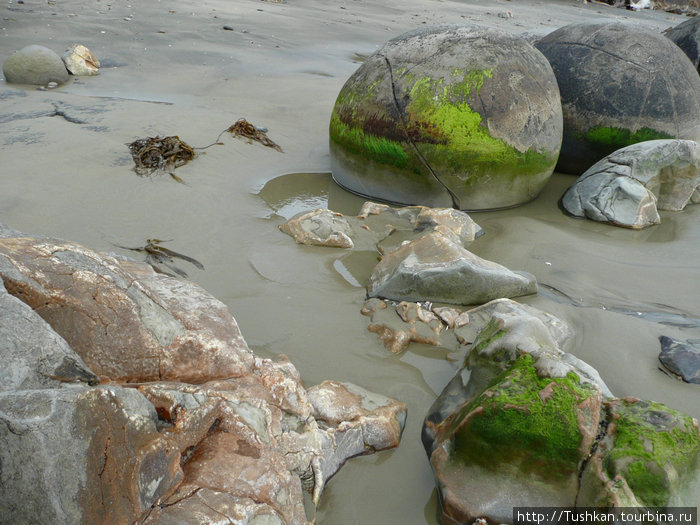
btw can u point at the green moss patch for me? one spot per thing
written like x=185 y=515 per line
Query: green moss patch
x=525 y=419
x=648 y=437
x=612 y=138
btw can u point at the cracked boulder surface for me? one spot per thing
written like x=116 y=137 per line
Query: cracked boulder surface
x=628 y=187
x=461 y=116
x=687 y=36
x=126 y=322
x=192 y=427
x=524 y=423
x=620 y=84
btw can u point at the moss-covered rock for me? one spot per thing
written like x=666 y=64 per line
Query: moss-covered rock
x=450 y=115
x=621 y=84
x=649 y=456
x=522 y=440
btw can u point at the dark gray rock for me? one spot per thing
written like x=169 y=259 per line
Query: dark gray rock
x=683 y=359
x=34 y=356
x=687 y=36
x=35 y=65
x=436 y=267
x=627 y=187
x=461 y=116
x=620 y=84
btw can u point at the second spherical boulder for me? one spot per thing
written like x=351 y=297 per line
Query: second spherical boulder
x=461 y=116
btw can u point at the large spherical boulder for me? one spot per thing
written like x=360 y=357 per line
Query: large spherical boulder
x=36 y=65
x=461 y=116
x=687 y=37
x=620 y=84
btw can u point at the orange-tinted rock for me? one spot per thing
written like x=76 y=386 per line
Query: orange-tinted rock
x=126 y=322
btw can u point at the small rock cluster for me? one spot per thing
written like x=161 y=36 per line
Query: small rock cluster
x=131 y=396
x=432 y=264
x=39 y=65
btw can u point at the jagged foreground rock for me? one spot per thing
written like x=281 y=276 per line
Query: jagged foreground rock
x=525 y=424
x=199 y=429
x=627 y=187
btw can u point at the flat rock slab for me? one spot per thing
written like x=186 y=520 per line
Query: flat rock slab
x=629 y=186
x=682 y=359
x=437 y=268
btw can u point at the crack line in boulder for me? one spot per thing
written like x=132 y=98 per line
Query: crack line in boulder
x=453 y=196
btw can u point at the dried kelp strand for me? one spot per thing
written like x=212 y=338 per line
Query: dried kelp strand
x=155 y=153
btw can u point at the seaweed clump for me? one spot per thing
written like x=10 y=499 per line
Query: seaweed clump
x=158 y=256
x=159 y=153
x=243 y=128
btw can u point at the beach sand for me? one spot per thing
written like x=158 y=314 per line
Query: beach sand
x=170 y=68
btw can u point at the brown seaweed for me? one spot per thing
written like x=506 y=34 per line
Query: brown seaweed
x=157 y=256
x=159 y=154
x=243 y=128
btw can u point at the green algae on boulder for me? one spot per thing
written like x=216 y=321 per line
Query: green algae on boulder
x=621 y=84
x=524 y=435
x=460 y=116
x=649 y=456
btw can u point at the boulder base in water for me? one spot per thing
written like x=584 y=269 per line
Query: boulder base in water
x=461 y=116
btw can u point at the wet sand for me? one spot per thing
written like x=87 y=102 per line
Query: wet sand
x=171 y=69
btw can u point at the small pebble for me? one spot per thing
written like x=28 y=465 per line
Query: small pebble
x=52 y=85
x=228 y=28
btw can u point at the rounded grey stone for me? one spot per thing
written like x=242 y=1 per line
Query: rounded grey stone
x=36 y=65
x=687 y=37
x=461 y=116
x=620 y=84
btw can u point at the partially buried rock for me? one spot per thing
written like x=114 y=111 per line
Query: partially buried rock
x=682 y=359
x=620 y=84
x=36 y=65
x=436 y=267
x=628 y=187
x=80 y=61
x=461 y=116
x=687 y=37
x=320 y=227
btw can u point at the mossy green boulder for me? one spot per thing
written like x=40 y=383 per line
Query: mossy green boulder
x=621 y=83
x=649 y=456
x=461 y=116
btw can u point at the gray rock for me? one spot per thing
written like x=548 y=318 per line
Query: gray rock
x=80 y=61
x=517 y=400
x=683 y=359
x=82 y=455
x=436 y=267
x=320 y=227
x=628 y=187
x=620 y=84
x=34 y=356
x=36 y=65
x=461 y=116
x=687 y=36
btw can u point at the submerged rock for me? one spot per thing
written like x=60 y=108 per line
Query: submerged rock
x=687 y=36
x=36 y=65
x=682 y=359
x=80 y=61
x=461 y=116
x=627 y=187
x=620 y=84
x=321 y=228
x=436 y=267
